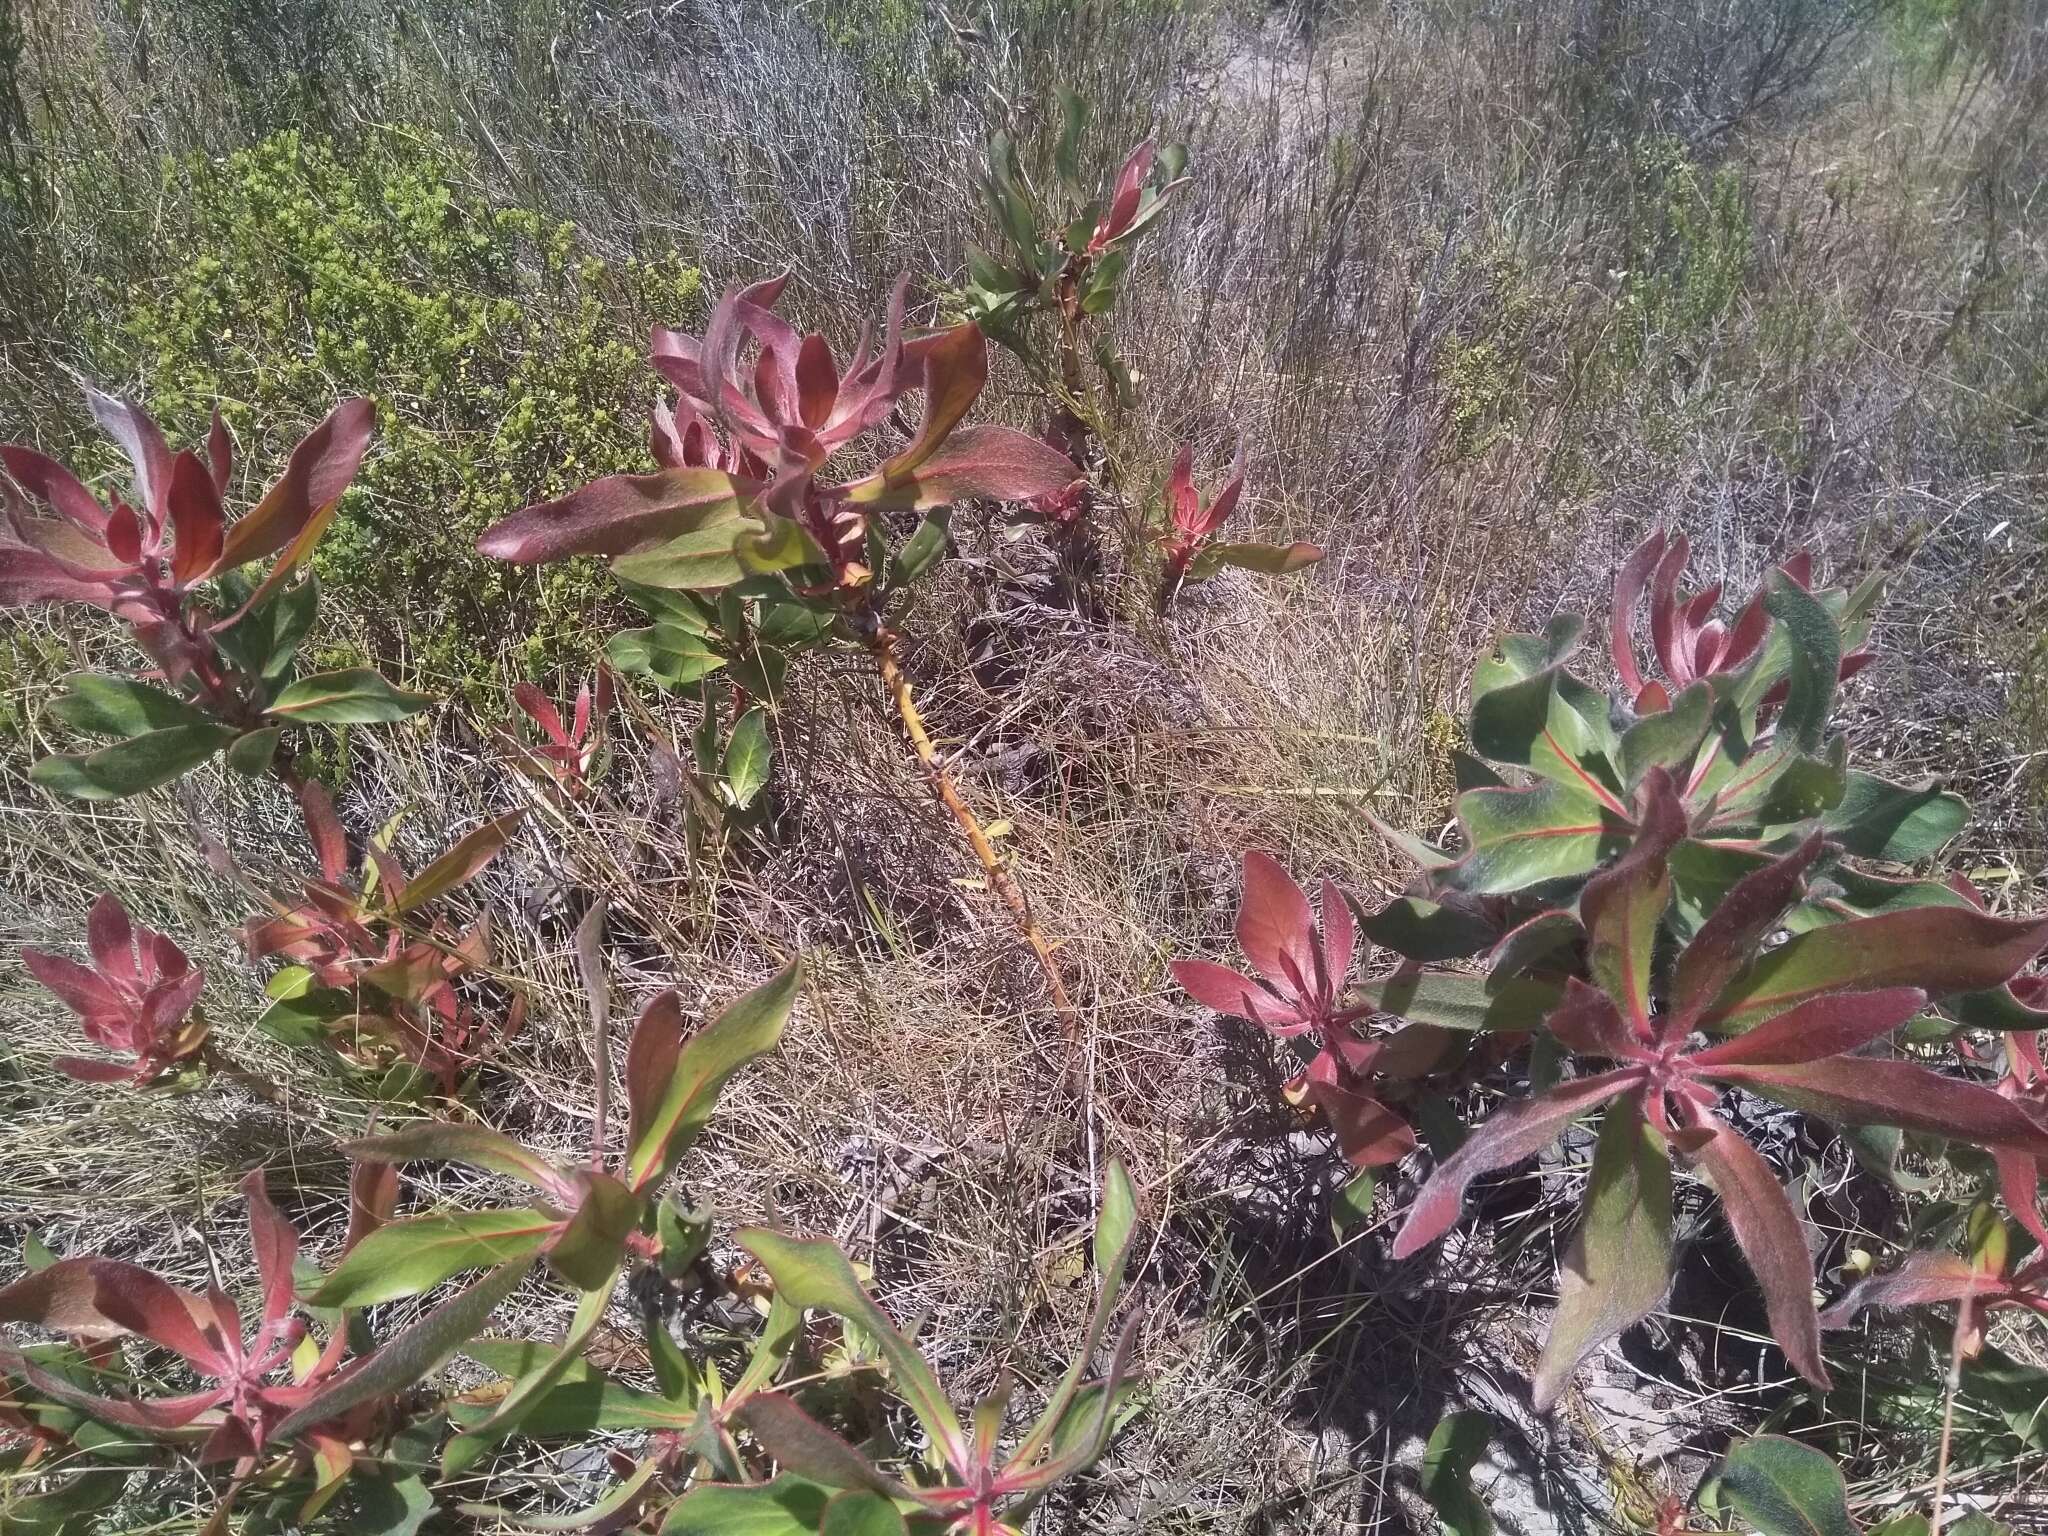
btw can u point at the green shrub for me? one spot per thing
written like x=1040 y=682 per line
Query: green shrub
x=505 y=358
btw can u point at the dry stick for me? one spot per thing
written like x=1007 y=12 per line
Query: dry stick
x=882 y=646
x=221 y=1065
x=1964 y=1321
x=590 y=962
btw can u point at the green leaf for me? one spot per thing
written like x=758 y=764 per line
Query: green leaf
x=669 y=656
x=749 y=1027
x=1539 y=942
x=132 y=766
x=1517 y=657
x=252 y=753
x=413 y=1353
x=409 y=1257
x=121 y=706
x=1455 y=1447
x=66 y=1508
x=387 y=1506
x=793 y=626
x=1816 y=660
x=614 y=1506
x=921 y=550
x=301 y=1013
x=748 y=753
x=778 y=1337
x=592 y=1247
x=1781 y=786
x=459 y=864
x=1424 y=931
x=1669 y=738
x=1453 y=1001
x=513 y=1410
x=787 y=1506
x=858 y=1512
x=1351 y=1205
x=817 y=1274
x=351 y=696
x=267 y=638
x=1619 y=1264
x=1115 y=1237
x=1877 y=820
x=477 y=1146
x=1265 y=559
x=672 y=609
x=1115 y=1227
x=1783 y=1488
x=1517 y=838
x=684 y=1236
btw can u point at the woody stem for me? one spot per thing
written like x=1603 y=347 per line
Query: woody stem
x=220 y=1065
x=882 y=646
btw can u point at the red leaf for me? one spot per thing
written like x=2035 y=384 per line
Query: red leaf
x=542 y=713
x=998 y=463
x=1237 y=995
x=1129 y=191
x=197 y=522
x=1664 y=616
x=1507 y=1136
x=320 y=469
x=1940 y=950
x=1369 y=1133
x=817 y=382
x=1729 y=936
x=1924 y=1279
x=160 y=1312
x=1832 y=1025
x=1591 y=1025
x=955 y=369
x=54 y=485
x=220 y=453
x=1275 y=928
x=1628 y=591
x=329 y=843
x=167 y=1003
x=1856 y=1090
x=1623 y=904
x=111 y=938
x=1340 y=937
x=372 y=1196
x=29 y=577
x=1184 y=503
x=129 y=425
x=85 y=1069
x=1226 y=503
x=615 y=515
x=76 y=987
x=2019 y=1180
x=651 y=1056
x=276 y=1246
x=63 y=1297
x=1766 y=1228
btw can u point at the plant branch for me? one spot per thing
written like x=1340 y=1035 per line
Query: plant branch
x=882 y=646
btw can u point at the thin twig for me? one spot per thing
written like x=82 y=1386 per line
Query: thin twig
x=1965 y=1322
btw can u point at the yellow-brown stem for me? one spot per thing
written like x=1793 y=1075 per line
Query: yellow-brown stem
x=883 y=648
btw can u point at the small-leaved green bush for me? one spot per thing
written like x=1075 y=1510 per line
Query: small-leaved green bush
x=503 y=356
